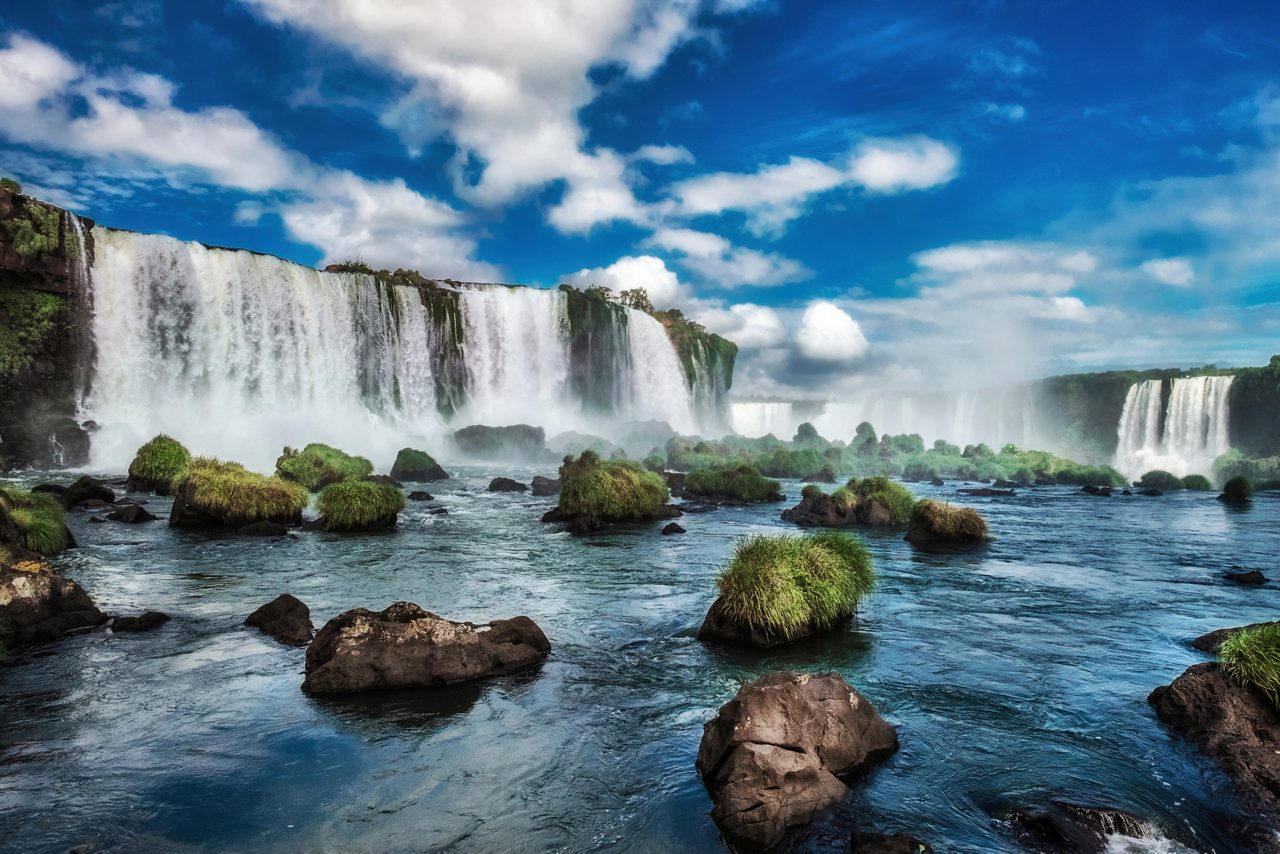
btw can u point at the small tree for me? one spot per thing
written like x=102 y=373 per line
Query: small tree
x=637 y=298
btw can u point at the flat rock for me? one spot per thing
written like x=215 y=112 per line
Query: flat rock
x=774 y=755
x=407 y=647
x=144 y=622
x=285 y=618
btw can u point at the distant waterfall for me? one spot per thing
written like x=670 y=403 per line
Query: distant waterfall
x=761 y=418
x=239 y=354
x=1183 y=438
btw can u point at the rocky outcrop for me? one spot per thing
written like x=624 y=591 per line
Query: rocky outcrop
x=1063 y=827
x=820 y=511
x=583 y=524
x=84 y=491
x=775 y=755
x=515 y=442
x=144 y=622
x=131 y=514
x=506 y=484
x=672 y=528
x=1211 y=642
x=1249 y=578
x=285 y=618
x=1235 y=725
x=37 y=604
x=544 y=487
x=407 y=647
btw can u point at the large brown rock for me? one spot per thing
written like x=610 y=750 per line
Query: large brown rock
x=285 y=618
x=408 y=647
x=1063 y=827
x=775 y=754
x=1235 y=725
x=820 y=511
x=1211 y=642
x=37 y=604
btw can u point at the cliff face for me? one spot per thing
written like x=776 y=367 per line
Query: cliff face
x=45 y=337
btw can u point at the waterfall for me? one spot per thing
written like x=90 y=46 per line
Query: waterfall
x=239 y=354
x=1183 y=438
x=760 y=418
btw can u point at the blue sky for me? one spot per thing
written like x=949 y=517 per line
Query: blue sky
x=863 y=195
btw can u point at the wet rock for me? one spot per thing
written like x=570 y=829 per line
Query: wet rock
x=1212 y=641
x=937 y=481
x=584 y=524
x=1000 y=483
x=37 y=604
x=144 y=622
x=885 y=843
x=672 y=528
x=94 y=504
x=545 y=486
x=131 y=513
x=419 y=495
x=1251 y=578
x=506 y=484
x=820 y=511
x=774 y=755
x=284 y=618
x=50 y=488
x=86 y=490
x=988 y=492
x=1101 y=491
x=824 y=476
x=263 y=529
x=407 y=647
x=1067 y=828
x=438 y=511
x=1235 y=725
x=1151 y=492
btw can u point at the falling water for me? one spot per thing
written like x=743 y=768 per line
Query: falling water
x=656 y=383
x=760 y=418
x=1183 y=438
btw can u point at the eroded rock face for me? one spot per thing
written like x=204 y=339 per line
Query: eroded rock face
x=37 y=604
x=408 y=647
x=774 y=755
x=285 y=618
x=1063 y=827
x=1235 y=725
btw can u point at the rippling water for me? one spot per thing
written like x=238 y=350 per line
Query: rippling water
x=1014 y=674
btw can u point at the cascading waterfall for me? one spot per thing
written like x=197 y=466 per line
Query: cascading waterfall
x=1184 y=437
x=760 y=418
x=239 y=354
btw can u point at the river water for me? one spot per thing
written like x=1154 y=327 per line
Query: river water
x=1014 y=673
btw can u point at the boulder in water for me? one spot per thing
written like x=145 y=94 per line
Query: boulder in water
x=86 y=490
x=156 y=464
x=545 y=486
x=939 y=523
x=144 y=622
x=774 y=755
x=1211 y=642
x=419 y=495
x=438 y=511
x=987 y=492
x=1249 y=578
x=506 y=484
x=1063 y=827
x=417 y=467
x=672 y=528
x=37 y=604
x=359 y=506
x=886 y=843
x=1100 y=491
x=131 y=513
x=214 y=494
x=407 y=647
x=285 y=618
x=517 y=442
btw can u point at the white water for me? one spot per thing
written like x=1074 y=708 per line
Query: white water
x=1194 y=431
x=239 y=355
x=760 y=418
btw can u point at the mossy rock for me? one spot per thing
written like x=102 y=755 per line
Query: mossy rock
x=156 y=464
x=1238 y=490
x=939 y=523
x=359 y=505
x=35 y=521
x=742 y=483
x=214 y=493
x=417 y=467
x=1161 y=480
x=597 y=492
x=317 y=466
x=1197 y=483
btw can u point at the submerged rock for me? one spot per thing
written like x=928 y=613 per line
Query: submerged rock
x=1102 y=491
x=506 y=484
x=1235 y=725
x=545 y=486
x=37 y=604
x=884 y=843
x=263 y=529
x=773 y=756
x=285 y=618
x=144 y=622
x=407 y=647
x=419 y=495
x=438 y=511
x=1068 y=828
x=132 y=514
x=84 y=491
x=1250 y=577
x=988 y=492
x=672 y=528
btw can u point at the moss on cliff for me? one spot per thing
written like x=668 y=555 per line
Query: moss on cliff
x=27 y=319
x=35 y=232
x=699 y=350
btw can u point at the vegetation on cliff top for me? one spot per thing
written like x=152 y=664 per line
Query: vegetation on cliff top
x=231 y=492
x=353 y=505
x=36 y=518
x=1251 y=656
x=27 y=318
x=609 y=490
x=10 y=185
x=316 y=466
x=35 y=233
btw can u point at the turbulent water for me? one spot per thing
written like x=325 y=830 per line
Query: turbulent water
x=218 y=347
x=1183 y=438
x=1013 y=674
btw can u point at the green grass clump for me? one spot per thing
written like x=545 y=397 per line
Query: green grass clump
x=1251 y=656
x=159 y=461
x=786 y=586
x=37 y=232
x=655 y=463
x=893 y=495
x=236 y=495
x=316 y=466
x=356 y=504
x=1237 y=490
x=943 y=521
x=37 y=518
x=1196 y=483
x=609 y=491
x=1160 y=479
x=743 y=483
x=412 y=464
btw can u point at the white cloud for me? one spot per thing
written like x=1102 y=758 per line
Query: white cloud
x=898 y=165
x=642 y=271
x=1170 y=271
x=662 y=155
x=966 y=270
x=30 y=72
x=715 y=259
x=1011 y=113
x=750 y=326
x=828 y=333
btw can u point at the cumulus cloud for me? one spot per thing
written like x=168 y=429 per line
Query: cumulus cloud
x=898 y=165
x=1170 y=271
x=750 y=326
x=642 y=271
x=828 y=333
x=716 y=260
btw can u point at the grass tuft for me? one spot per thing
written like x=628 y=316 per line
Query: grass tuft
x=412 y=464
x=38 y=519
x=316 y=466
x=160 y=460
x=236 y=495
x=1251 y=656
x=610 y=490
x=353 y=505
x=744 y=483
x=945 y=521
x=893 y=495
x=787 y=585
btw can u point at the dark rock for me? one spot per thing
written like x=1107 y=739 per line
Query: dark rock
x=438 y=511
x=1000 y=483
x=284 y=618
x=1102 y=491
x=419 y=495
x=514 y=442
x=407 y=647
x=672 y=528
x=50 y=488
x=988 y=492
x=884 y=843
x=185 y=514
x=1212 y=641
x=419 y=475
x=588 y=525
x=775 y=754
x=131 y=513
x=821 y=512
x=98 y=519
x=1251 y=578
x=144 y=622
x=94 y=504
x=1150 y=491
x=86 y=490
x=506 y=484
x=545 y=486
x=1066 y=828
x=1235 y=725
x=37 y=604
x=826 y=476
x=937 y=481
x=1127 y=492
x=717 y=627
x=1045 y=480
x=263 y=529
x=675 y=480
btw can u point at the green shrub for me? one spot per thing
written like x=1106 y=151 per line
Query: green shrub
x=810 y=491
x=609 y=491
x=1251 y=656
x=38 y=519
x=316 y=466
x=37 y=232
x=743 y=483
x=917 y=470
x=1197 y=483
x=236 y=495
x=159 y=461
x=1237 y=490
x=1162 y=480
x=786 y=585
x=939 y=520
x=10 y=185
x=656 y=463
x=792 y=464
x=893 y=495
x=352 y=505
